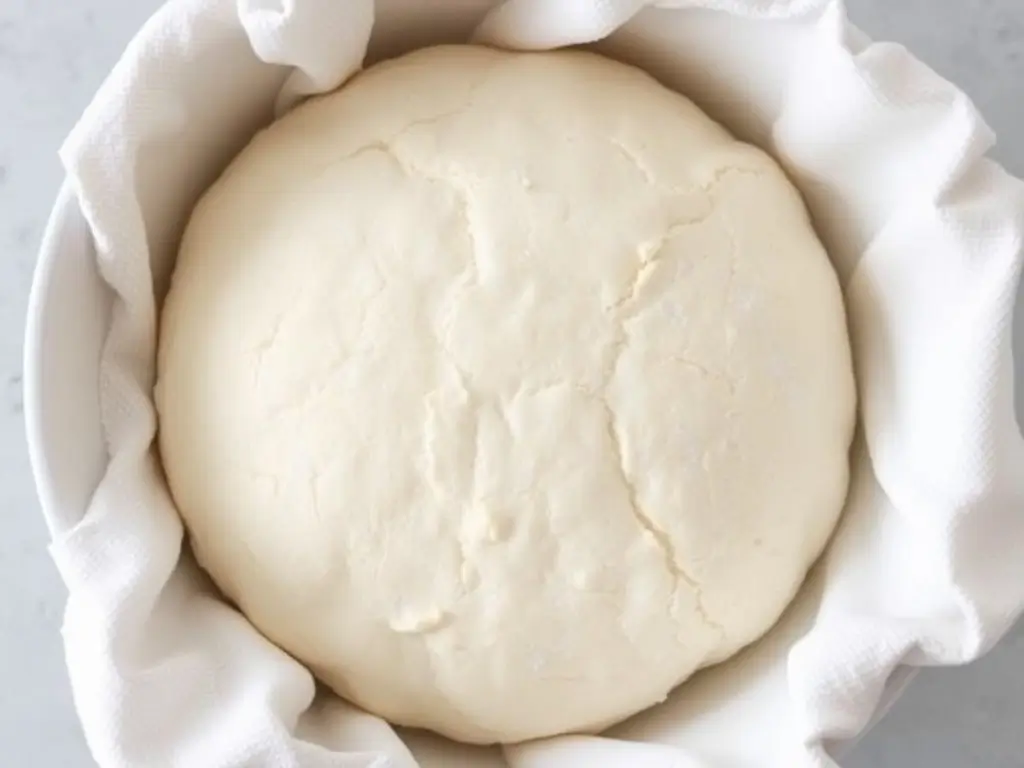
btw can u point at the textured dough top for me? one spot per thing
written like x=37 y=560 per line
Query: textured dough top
x=505 y=390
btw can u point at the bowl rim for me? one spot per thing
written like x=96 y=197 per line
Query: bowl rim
x=32 y=364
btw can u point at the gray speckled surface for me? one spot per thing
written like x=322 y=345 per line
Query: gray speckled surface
x=53 y=56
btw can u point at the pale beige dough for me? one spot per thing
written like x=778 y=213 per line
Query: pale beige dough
x=505 y=390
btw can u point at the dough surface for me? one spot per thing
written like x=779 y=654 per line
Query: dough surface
x=505 y=390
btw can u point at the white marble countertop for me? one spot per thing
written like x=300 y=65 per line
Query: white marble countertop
x=54 y=53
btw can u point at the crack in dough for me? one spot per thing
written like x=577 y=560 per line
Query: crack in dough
x=650 y=178
x=658 y=535
x=650 y=252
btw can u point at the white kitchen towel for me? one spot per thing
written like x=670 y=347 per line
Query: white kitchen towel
x=926 y=235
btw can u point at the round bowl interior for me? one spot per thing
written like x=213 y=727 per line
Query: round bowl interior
x=68 y=315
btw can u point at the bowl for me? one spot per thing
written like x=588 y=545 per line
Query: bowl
x=70 y=307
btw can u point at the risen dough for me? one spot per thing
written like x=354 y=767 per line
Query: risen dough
x=505 y=391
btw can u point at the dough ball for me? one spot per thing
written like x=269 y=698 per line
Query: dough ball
x=505 y=391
